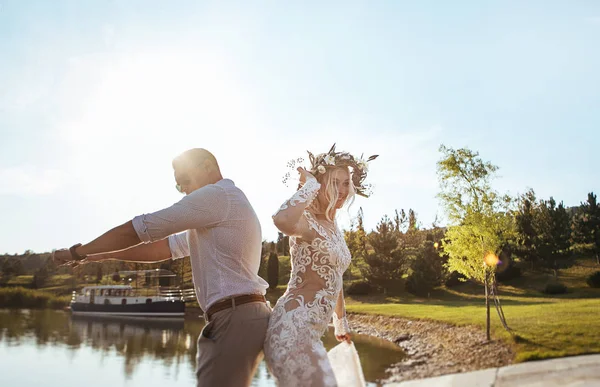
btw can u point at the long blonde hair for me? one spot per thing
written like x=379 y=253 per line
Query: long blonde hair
x=331 y=192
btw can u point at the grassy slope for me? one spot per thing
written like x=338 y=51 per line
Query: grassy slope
x=546 y=326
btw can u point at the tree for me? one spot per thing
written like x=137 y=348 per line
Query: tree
x=412 y=237
x=283 y=244
x=386 y=260
x=400 y=220
x=267 y=249
x=39 y=278
x=273 y=270
x=587 y=224
x=553 y=227
x=356 y=240
x=99 y=273
x=412 y=220
x=427 y=270
x=480 y=222
x=527 y=234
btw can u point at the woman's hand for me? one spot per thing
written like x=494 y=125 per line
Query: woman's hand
x=304 y=175
x=345 y=337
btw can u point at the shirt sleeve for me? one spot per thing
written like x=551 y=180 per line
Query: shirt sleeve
x=205 y=207
x=178 y=243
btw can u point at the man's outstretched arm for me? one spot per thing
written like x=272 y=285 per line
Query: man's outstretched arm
x=118 y=238
x=141 y=253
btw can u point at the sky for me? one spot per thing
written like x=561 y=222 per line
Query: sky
x=97 y=97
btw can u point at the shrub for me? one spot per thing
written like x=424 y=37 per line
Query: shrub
x=59 y=302
x=427 y=270
x=28 y=298
x=555 y=288
x=594 y=280
x=273 y=270
x=510 y=273
x=454 y=279
x=358 y=288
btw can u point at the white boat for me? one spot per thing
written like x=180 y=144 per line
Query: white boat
x=122 y=300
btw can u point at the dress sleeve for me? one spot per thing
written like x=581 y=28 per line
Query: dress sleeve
x=289 y=218
x=340 y=322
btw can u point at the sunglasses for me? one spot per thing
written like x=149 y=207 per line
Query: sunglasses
x=180 y=184
x=185 y=180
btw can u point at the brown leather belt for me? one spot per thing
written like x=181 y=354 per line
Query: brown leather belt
x=230 y=302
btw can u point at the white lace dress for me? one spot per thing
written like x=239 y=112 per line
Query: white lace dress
x=293 y=348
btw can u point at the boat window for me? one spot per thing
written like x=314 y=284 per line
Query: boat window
x=148 y=300
x=124 y=301
x=101 y=292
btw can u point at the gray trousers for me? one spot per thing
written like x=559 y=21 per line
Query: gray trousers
x=230 y=346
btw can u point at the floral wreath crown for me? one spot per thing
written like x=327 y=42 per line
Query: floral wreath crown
x=320 y=163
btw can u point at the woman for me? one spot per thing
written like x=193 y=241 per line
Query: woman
x=293 y=348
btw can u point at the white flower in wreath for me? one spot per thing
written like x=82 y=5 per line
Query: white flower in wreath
x=363 y=165
x=321 y=169
x=330 y=160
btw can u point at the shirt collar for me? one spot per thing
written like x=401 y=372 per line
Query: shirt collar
x=225 y=182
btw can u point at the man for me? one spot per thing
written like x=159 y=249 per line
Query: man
x=217 y=227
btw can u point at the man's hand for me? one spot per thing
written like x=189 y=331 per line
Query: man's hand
x=346 y=337
x=62 y=257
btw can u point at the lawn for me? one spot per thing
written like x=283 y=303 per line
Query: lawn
x=544 y=326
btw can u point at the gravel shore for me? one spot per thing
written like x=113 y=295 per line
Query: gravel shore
x=433 y=348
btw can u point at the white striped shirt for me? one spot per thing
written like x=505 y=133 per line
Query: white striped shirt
x=217 y=227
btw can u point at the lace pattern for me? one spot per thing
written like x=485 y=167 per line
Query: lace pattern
x=340 y=325
x=306 y=194
x=293 y=348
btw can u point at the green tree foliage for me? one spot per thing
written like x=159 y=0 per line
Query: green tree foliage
x=412 y=220
x=480 y=223
x=356 y=240
x=526 y=227
x=554 y=228
x=400 y=221
x=386 y=260
x=99 y=274
x=273 y=270
x=267 y=249
x=543 y=232
x=426 y=270
x=587 y=224
x=283 y=244
x=40 y=278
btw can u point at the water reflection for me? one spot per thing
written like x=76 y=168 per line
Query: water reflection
x=141 y=345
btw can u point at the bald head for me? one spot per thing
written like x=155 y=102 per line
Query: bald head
x=196 y=168
x=193 y=157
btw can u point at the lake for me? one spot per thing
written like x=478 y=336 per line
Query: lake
x=53 y=348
